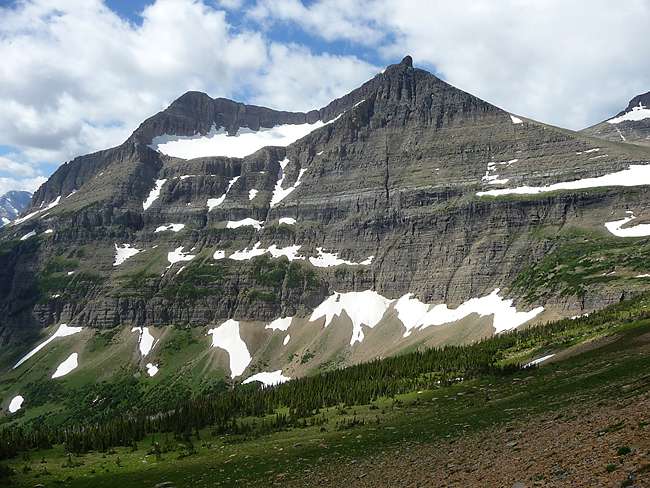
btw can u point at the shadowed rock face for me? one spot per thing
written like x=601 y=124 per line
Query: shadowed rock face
x=630 y=131
x=393 y=176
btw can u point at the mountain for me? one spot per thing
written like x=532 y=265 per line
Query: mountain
x=631 y=125
x=12 y=205
x=225 y=240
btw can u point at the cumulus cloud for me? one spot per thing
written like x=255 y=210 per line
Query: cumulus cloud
x=568 y=63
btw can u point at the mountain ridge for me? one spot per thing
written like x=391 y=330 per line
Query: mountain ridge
x=377 y=207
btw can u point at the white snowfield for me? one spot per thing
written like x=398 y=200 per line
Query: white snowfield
x=49 y=206
x=365 y=307
x=286 y=340
x=16 y=404
x=227 y=337
x=280 y=324
x=67 y=366
x=323 y=260
x=369 y=307
x=62 y=331
x=635 y=175
x=153 y=194
x=124 y=252
x=217 y=142
x=172 y=227
x=215 y=202
x=267 y=378
x=516 y=120
x=28 y=235
x=328 y=259
x=640 y=230
x=252 y=193
x=287 y=220
x=145 y=340
x=247 y=222
x=177 y=255
x=417 y=315
x=538 y=360
x=637 y=113
x=152 y=369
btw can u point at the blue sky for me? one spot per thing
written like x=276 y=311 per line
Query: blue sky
x=80 y=75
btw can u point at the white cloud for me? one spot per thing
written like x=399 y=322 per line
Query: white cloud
x=29 y=184
x=295 y=79
x=568 y=63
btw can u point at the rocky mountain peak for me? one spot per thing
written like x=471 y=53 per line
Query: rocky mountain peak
x=642 y=100
x=407 y=61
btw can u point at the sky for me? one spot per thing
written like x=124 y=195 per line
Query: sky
x=78 y=76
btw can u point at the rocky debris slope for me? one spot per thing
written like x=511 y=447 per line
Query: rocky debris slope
x=584 y=447
x=631 y=125
x=379 y=190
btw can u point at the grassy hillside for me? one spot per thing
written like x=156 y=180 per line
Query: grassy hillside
x=427 y=397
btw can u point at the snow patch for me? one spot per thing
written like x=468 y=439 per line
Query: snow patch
x=329 y=259
x=538 y=360
x=217 y=142
x=636 y=231
x=215 y=202
x=280 y=324
x=252 y=193
x=635 y=175
x=62 y=331
x=49 y=231
x=417 y=315
x=152 y=369
x=16 y=404
x=177 y=255
x=153 y=194
x=268 y=378
x=247 y=222
x=287 y=220
x=363 y=308
x=227 y=337
x=28 y=235
x=246 y=254
x=279 y=193
x=286 y=340
x=637 y=113
x=67 y=366
x=172 y=227
x=145 y=340
x=516 y=120
x=123 y=253
x=219 y=254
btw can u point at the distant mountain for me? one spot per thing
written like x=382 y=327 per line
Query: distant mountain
x=630 y=125
x=12 y=205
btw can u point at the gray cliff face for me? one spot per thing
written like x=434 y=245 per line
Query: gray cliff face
x=394 y=175
x=629 y=131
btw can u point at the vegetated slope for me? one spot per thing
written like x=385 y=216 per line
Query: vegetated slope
x=386 y=225
x=602 y=357
x=631 y=125
x=12 y=204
